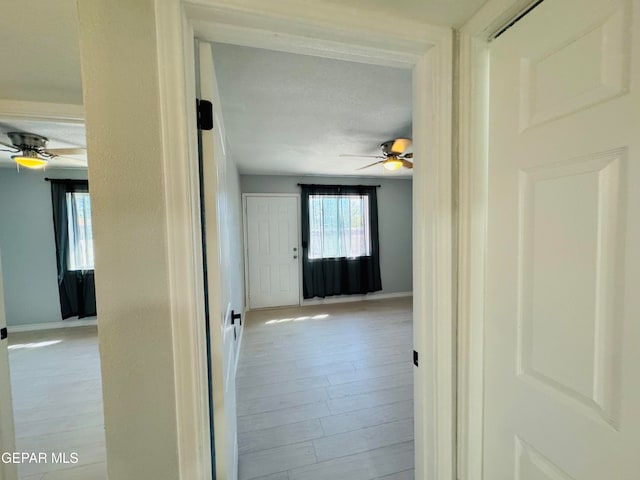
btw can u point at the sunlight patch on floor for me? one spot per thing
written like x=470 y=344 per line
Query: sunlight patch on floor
x=320 y=316
x=19 y=346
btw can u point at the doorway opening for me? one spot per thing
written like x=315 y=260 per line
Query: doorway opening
x=51 y=407
x=330 y=240
x=433 y=314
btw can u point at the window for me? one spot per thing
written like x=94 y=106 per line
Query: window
x=340 y=246
x=79 y=228
x=339 y=226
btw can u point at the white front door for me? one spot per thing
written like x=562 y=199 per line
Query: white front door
x=7 y=440
x=273 y=251
x=562 y=337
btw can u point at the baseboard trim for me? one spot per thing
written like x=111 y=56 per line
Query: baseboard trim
x=83 y=322
x=355 y=298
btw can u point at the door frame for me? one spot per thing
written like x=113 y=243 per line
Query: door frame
x=245 y=233
x=337 y=33
x=473 y=111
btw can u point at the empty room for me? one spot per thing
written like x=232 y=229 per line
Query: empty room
x=49 y=307
x=323 y=154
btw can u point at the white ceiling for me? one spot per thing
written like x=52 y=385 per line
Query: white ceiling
x=39 y=51
x=295 y=114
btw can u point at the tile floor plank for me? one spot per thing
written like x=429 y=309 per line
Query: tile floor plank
x=280 y=401
x=275 y=476
x=362 y=466
x=280 y=387
x=276 y=460
x=371 y=399
x=364 y=439
x=276 y=418
x=375 y=371
x=367 y=417
x=406 y=475
x=279 y=436
x=369 y=385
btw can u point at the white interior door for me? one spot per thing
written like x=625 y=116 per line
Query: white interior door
x=7 y=439
x=223 y=332
x=273 y=251
x=562 y=338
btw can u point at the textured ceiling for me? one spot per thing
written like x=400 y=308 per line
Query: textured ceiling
x=60 y=135
x=295 y=114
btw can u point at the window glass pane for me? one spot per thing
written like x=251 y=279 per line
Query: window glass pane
x=339 y=226
x=80 y=233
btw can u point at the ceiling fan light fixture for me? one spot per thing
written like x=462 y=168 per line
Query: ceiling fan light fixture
x=30 y=159
x=392 y=164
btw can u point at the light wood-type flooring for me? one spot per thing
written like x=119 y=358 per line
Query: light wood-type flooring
x=326 y=393
x=57 y=400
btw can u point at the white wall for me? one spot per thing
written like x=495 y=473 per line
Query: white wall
x=127 y=174
x=394 y=219
x=28 y=245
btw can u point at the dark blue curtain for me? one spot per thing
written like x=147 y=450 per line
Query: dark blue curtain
x=76 y=287
x=323 y=277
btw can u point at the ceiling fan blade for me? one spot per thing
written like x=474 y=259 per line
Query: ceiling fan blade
x=370 y=165
x=406 y=163
x=360 y=156
x=400 y=145
x=12 y=147
x=59 y=152
x=71 y=159
x=408 y=155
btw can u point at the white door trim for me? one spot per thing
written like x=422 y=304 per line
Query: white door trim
x=246 y=241
x=177 y=80
x=474 y=38
x=336 y=33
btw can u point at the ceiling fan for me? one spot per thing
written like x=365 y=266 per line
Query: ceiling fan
x=32 y=152
x=393 y=156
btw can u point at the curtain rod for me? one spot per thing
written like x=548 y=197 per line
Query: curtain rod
x=333 y=186
x=47 y=179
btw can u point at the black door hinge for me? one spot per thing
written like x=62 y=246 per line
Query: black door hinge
x=3 y=333
x=415 y=358
x=204 y=114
